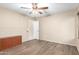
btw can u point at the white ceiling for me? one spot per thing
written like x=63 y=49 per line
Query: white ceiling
x=52 y=8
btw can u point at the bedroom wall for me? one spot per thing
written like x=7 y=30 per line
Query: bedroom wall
x=77 y=28
x=59 y=28
x=12 y=24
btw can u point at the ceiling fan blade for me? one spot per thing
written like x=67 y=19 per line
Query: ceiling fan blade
x=43 y=8
x=40 y=12
x=25 y=8
x=30 y=12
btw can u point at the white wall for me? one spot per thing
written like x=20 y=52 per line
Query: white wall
x=59 y=28
x=77 y=31
x=12 y=24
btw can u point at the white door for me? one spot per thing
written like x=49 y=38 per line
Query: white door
x=32 y=29
x=35 y=27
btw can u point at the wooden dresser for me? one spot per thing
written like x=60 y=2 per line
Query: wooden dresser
x=9 y=42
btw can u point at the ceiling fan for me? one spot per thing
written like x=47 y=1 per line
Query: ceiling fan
x=35 y=8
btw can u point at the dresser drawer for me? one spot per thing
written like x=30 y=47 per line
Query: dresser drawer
x=0 y=44
x=9 y=42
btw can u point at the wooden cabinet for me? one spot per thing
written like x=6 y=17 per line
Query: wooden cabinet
x=0 y=44
x=10 y=42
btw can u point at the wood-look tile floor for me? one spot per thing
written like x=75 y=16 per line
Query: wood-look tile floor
x=36 y=47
